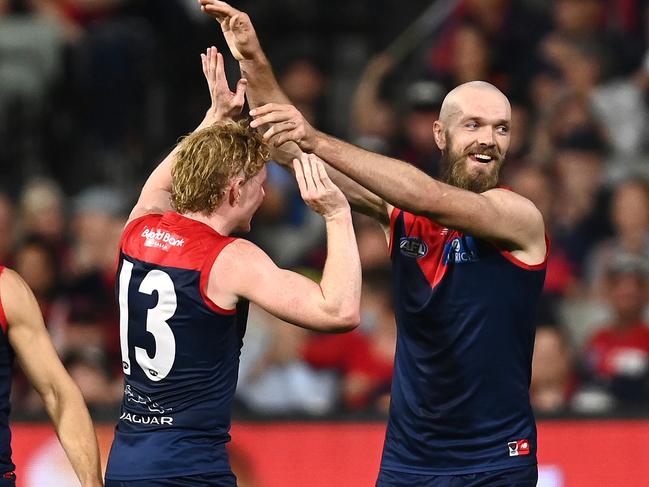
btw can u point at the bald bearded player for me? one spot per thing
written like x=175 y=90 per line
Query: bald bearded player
x=468 y=268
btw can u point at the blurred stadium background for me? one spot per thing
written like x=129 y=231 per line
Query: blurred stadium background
x=93 y=93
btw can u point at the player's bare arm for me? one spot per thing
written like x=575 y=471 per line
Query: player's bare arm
x=361 y=200
x=498 y=215
x=263 y=88
x=244 y=45
x=61 y=396
x=155 y=195
x=333 y=304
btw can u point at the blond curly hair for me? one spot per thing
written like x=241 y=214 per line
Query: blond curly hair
x=208 y=159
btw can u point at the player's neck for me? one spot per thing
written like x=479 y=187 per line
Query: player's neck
x=217 y=221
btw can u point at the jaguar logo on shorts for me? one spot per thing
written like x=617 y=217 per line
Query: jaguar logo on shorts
x=413 y=247
x=518 y=448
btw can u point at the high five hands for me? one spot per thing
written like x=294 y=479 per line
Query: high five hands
x=317 y=190
x=237 y=29
x=225 y=103
x=286 y=124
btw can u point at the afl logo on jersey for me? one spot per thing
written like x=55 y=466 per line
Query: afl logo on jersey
x=413 y=247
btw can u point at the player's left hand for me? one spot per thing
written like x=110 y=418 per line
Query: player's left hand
x=225 y=104
x=317 y=189
x=286 y=124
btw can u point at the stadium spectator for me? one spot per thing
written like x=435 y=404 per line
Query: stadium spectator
x=553 y=374
x=629 y=210
x=273 y=378
x=373 y=114
x=91 y=370
x=617 y=356
x=372 y=245
x=579 y=218
x=363 y=358
x=42 y=207
x=37 y=263
x=304 y=84
x=423 y=100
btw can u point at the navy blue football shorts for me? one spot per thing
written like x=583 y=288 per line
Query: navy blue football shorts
x=220 y=479
x=517 y=477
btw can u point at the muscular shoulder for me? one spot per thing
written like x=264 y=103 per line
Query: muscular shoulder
x=520 y=225
x=239 y=260
x=240 y=252
x=11 y=284
x=508 y=197
x=238 y=268
x=517 y=209
x=17 y=299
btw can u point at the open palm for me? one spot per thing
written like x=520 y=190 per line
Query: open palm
x=225 y=103
x=237 y=28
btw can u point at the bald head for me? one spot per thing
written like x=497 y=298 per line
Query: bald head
x=473 y=133
x=459 y=100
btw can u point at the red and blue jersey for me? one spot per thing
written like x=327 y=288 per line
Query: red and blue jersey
x=465 y=313
x=180 y=352
x=6 y=366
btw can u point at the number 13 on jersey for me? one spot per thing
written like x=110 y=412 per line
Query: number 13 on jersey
x=159 y=365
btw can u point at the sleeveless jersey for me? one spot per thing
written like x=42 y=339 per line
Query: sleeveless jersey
x=180 y=352
x=465 y=314
x=6 y=366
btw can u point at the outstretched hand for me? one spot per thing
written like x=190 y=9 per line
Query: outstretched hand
x=316 y=189
x=237 y=28
x=286 y=124
x=225 y=103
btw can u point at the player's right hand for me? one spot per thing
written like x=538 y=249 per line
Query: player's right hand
x=225 y=103
x=317 y=190
x=237 y=28
x=286 y=124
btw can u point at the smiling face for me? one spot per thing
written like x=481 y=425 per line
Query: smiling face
x=473 y=134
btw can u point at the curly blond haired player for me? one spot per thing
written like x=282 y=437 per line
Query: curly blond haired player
x=184 y=286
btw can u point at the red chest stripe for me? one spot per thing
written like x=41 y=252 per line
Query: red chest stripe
x=429 y=234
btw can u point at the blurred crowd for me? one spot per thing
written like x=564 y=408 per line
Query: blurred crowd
x=93 y=93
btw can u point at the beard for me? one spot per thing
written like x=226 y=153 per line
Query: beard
x=454 y=165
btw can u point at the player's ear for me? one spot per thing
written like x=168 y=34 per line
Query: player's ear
x=234 y=194
x=440 y=134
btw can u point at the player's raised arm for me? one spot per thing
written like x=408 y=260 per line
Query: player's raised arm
x=333 y=304
x=493 y=213
x=61 y=396
x=155 y=195
x=263 y=88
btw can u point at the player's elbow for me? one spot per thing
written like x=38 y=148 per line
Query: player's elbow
x=50 y=397
x=344 y=322
x=61 y=393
